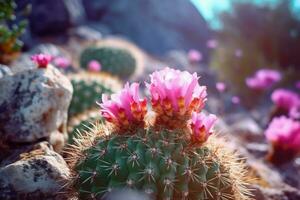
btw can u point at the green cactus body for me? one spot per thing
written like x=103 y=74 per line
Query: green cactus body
x=160 y=163
x=88 y=88
x=82 y=122
x=116 y=61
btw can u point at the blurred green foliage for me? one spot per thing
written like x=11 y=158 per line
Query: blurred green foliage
x=10 y=30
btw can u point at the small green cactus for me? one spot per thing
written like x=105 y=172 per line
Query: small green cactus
x=166 y=155
x=10 y=45
x=116 y=61
x=82 y=122
x=88 y=88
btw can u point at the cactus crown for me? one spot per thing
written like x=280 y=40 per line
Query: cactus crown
x=164 y=160
x=116 y=61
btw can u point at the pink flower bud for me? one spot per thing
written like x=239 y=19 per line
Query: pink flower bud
x=263 y=79
x=42 y=60
x=94 y=66
x=221 y=87
x=194 y=56
x=202 y=125
x=62 y=62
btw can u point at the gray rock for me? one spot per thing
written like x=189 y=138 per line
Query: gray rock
x=245 y=127
x=86 y=33
x=285 y=192
x=4 y=70
x=156 y=26
x=39 y=174
x=33 y=106
x=49 y=17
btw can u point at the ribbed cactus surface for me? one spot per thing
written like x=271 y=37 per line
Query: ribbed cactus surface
x=116 y=61
x=162 y=164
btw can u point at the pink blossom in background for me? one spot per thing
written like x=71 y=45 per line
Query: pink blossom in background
x=62 y=62
x=235 y=100
x=42 y=60
x=285 y=132
x=238 y=53
x=285 y=99
x=295 y=112
x=263 y=79
x=176 y=92
x=221 y=86
x=297 y=84
x=94 y=66
x=212 y=43
x=194 y=56
x=202 y=125
x=124 y=107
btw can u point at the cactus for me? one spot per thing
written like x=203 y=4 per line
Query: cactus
x=167 y=157
x=88 y=89
x=10 y=45
x=116 y=61
x=82 y=122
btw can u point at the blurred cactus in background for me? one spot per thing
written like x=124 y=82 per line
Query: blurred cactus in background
x=10 y=30
x=81 y=123
x=268 y=37
x=88 y=88
x=118 y=62
x=166 y=155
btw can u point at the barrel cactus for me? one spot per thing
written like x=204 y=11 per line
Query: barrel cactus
x=88 y=88
x=165 y=154
x=116 y=61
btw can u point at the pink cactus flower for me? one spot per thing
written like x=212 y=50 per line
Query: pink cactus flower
x=176 y=93
x=194 y=56
x=263 y=79
x=294 y=112
x=284 y=132
x=221 y=86
x=94 y=66
x=235 y=100
x=62 y=62
x=42 y=60
x=212 y=43
x=297 y=84
x=238 y=53
x=125 y=108
x=202 y=125
x=285 y=99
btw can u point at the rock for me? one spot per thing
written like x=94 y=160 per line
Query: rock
x=245 y=127
x=156 y=26
x=39 y=174
x=127 y=194
x=47 y=17
x=285 y=192
x=86 y=33
x=76 y=11
x=33 y=106
x=4 y=70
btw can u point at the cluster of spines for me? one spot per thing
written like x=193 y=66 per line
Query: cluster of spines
x=116 y=61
